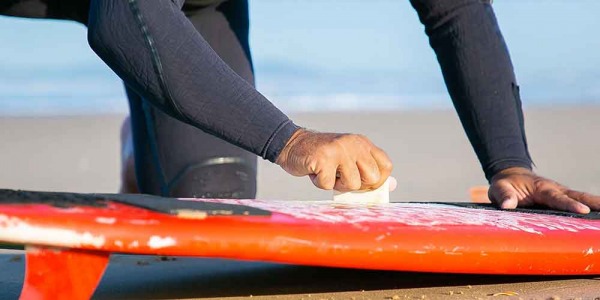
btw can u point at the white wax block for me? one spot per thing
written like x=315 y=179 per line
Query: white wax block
x=380 y=195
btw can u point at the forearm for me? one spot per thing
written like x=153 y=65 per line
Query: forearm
x=480 y=79
x=76 y=10
x=159 y=54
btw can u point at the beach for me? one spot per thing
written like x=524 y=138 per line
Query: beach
x=432 y=157
x=433 y=161
x=343 y=66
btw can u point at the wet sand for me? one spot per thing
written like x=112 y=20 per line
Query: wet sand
x=433 y=161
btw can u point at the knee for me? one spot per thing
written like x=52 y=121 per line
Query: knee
x=220 y=179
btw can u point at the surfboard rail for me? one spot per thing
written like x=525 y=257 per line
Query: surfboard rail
x=78 y=232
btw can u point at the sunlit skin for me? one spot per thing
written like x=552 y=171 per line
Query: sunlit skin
x=520 y=187
x=335 y=161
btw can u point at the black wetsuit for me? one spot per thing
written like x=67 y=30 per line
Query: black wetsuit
x=189 y=66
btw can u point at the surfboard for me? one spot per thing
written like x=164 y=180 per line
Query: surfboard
x=69 y=237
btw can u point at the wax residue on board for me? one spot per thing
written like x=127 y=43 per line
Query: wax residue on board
x=143 y=222
x=157 y=242
x=105 y=220
x=432 y=216
x=191 y=214
x=281 y=244
x=15 y=230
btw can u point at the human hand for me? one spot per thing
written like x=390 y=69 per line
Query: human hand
x=343 y=162
x=514 y=187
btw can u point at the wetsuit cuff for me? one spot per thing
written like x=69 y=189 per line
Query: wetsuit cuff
x=278 y=140
x=495 y=168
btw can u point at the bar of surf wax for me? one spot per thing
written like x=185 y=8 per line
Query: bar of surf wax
x=379 y=195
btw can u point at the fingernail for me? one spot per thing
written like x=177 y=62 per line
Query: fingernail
x=583 y=209
x=509 y=203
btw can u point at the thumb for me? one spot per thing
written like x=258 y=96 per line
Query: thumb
x=504 y=195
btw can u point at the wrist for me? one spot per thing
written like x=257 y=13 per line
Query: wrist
x=507 y=165
x=511 y=171
x=298 y=134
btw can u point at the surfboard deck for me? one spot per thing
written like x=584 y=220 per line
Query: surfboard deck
x=76 y=233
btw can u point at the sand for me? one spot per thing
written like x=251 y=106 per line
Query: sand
x=138 y=277
x=433 y=161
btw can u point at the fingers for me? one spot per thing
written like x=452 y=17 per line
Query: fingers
x=384 y=165
x=369 y=171
x=358 y=163
x=504 y=195
x=349 y=177
x=524 y=189
x=510 y=202
x=325 y=178
x=554 y=198
x=589 y=200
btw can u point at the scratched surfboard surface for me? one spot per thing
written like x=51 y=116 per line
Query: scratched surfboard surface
x=428 y=237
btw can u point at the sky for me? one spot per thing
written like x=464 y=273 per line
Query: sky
x=319 y=55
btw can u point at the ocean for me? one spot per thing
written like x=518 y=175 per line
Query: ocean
x=320 y=56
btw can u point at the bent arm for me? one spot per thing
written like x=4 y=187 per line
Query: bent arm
x=153 y=47
x=480 y=79
x=75 y=10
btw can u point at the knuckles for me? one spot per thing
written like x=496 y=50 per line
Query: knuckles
x=371 y=175
x=327 y=183
x=317 y=153
x=387 y=165
x=353 y=185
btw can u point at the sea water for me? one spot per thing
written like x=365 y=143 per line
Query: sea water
x=320 y=55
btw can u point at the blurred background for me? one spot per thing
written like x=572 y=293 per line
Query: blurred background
x=331 y=65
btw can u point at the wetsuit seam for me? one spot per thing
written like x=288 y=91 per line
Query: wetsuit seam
x=156 y=62
x=265 y=149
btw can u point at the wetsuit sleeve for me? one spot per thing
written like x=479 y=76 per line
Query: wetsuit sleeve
x=75 y=10
x=480 y=79
x=155 y=49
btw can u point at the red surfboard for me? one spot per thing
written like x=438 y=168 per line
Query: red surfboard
x=69 y=237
